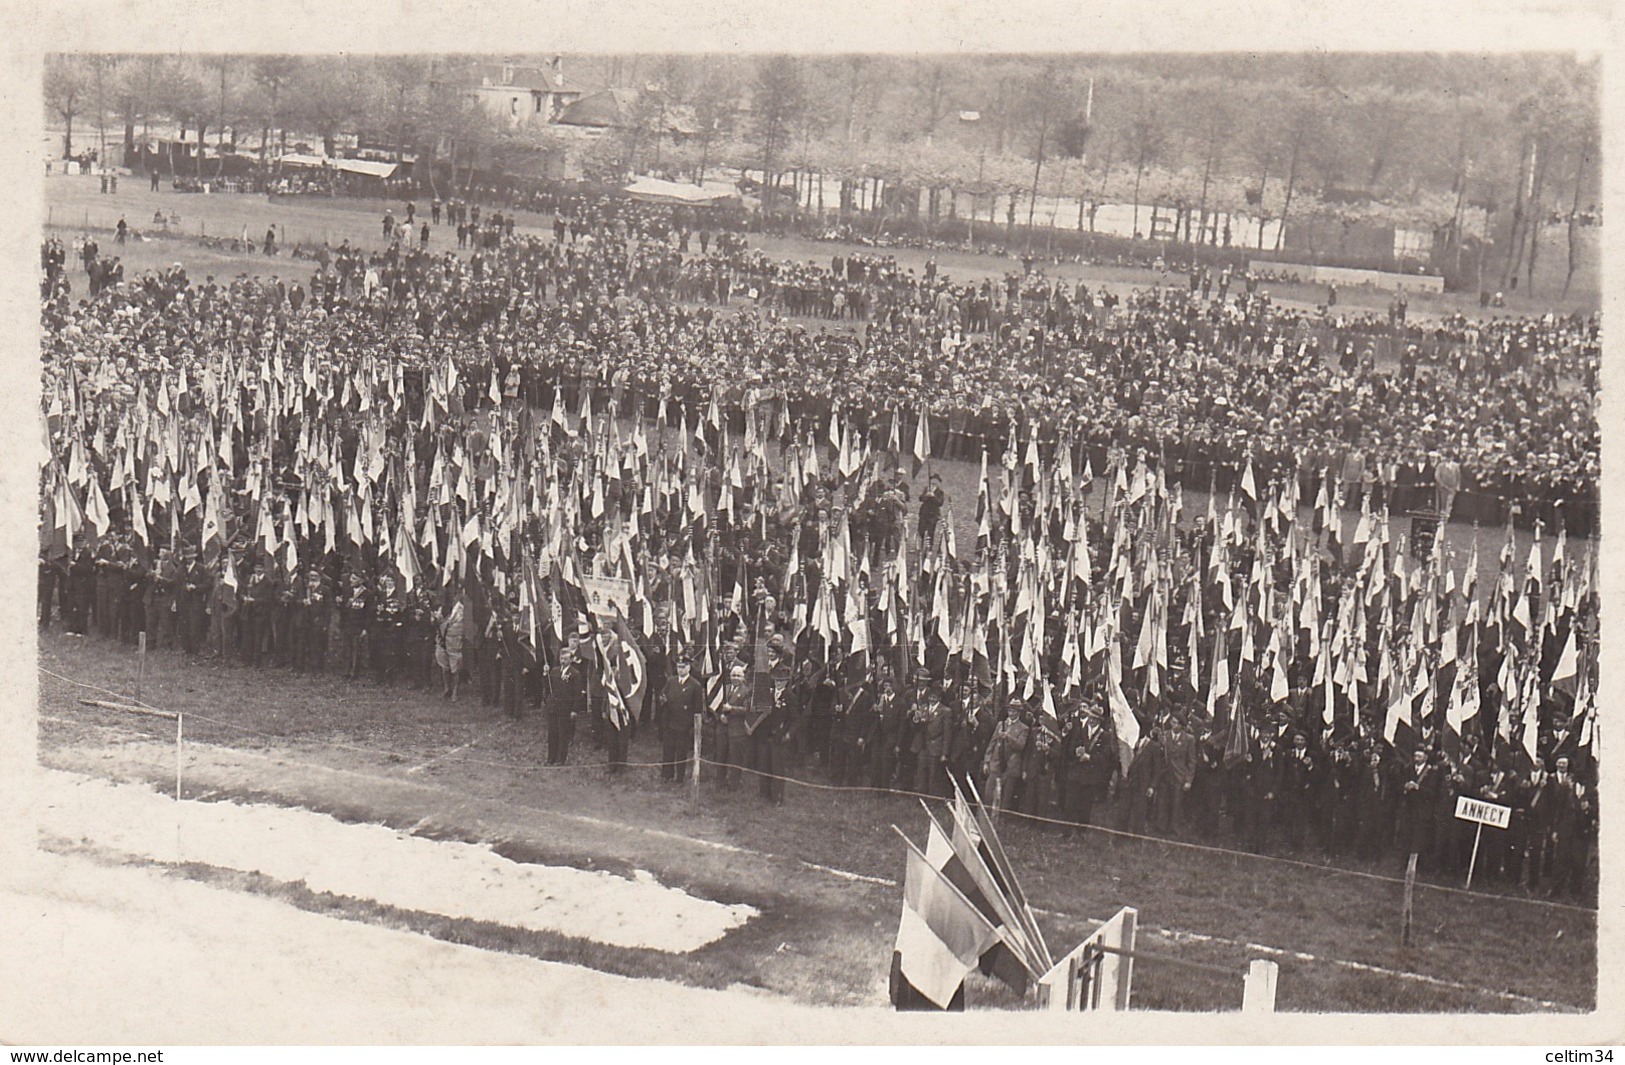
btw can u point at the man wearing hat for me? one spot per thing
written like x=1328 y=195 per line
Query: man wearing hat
x=222 y=609
x=733 y=733
x=1179 y=748
x=881 y=743
x=1038 y=784
x=684 y=700
x=312 y=608
x=389 y=622
x=1147 y=775
x=255 y=606
x=1207 y=786
x=78 y=594
x=193 y=601
x=911 y=737
x=970 y=727
x=566 y=700
x=1300 y=771
x=354 y=615
x=1006 y=756
x=1375 y=794
x=934 y=725
x=1087 y=764
x=160 y=604
x=851 y=722
x=773 y=730
x=1418 y=789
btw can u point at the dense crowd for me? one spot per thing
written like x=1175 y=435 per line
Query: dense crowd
x=423 y=467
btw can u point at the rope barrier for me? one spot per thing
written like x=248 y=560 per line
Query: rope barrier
x=868 y=789
x=1173 y=934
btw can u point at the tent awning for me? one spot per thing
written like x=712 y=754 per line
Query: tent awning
x=654 y=190
x=365 y=167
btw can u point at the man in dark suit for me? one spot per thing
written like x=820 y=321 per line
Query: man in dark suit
x=683 y=702
x=566 y=700
x=883 y=735
x=851 y=730
x=1091 y=763
x=774 y=731
x=1561 y=807
x=1179 y=752
x=1418 y=789
x=1374 y=806
x=1300 y=770
x=928 y=741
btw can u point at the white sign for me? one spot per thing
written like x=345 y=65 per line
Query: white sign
x=607 y=596
x=1087 y=979
x=1484 y=813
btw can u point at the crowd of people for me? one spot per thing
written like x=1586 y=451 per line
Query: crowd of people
x=423 y=468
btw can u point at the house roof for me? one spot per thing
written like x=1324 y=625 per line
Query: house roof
x=612 y=107
x=538 y=87
x=525 y=77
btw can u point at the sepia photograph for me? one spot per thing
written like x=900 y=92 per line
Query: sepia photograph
x=686 y=542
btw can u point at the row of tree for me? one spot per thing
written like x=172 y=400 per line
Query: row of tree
x=1415 y=140
x=262 y=101
x=1423 y=141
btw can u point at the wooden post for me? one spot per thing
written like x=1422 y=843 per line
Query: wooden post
x=178 y=720
x=1472 y=863
x=694 y=783
x=1258 y=992
x=1125 y=970
x=1410 y=893
x=140 y=662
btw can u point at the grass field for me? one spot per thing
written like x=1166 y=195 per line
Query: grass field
x=405 y=759
x=74 y=205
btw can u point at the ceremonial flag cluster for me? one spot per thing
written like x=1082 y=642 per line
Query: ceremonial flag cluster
x=1263 y=616
x=963 y=910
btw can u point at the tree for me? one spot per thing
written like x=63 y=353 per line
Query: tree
x=272 y=74
x=1263 y=146
x=779 y=102
x=930 y=99
x=466 y=131
x=226 y=71
x=859 y=84
x=1050 y=100
x=716 y=103
x=186 y=100
x=401 y=106
x=1216 y=123
x=1307 y=124
x=327 y=96
x=145 y=86
x=1072 y=137
x=1146 y=139
x=66 y=85
x=1584 y=136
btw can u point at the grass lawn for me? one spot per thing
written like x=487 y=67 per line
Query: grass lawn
x=415 y=762
x=74 y=205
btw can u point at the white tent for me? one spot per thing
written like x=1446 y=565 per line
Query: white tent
x=654 y=190
x=364 y=167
